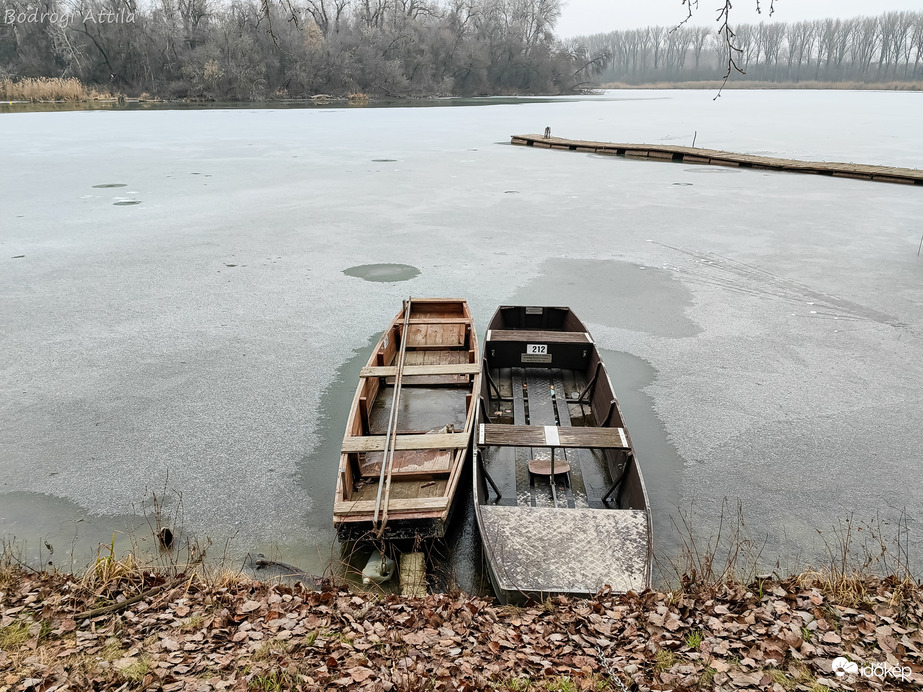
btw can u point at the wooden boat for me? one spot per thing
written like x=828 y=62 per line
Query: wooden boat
x=409 y=425
x=560 y=501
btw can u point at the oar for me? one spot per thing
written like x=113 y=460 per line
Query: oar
x=390 y=442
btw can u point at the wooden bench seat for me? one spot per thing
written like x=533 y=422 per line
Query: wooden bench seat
x=439 y=320
x=551 y=436
x=423 y=504
x=414 y=370
x=538 y=336
x=376 y=443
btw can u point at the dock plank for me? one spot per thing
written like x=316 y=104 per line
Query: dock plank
x=860 y=171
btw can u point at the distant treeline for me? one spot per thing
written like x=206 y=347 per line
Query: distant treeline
x=886 y=48
x=256 y=49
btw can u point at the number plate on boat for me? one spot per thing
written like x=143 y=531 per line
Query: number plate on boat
x=536 y=353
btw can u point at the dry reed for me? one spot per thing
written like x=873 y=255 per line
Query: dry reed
x=40 y=89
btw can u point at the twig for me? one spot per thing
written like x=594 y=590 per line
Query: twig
x=115 y=607
x=921 y=246
x=724 y=15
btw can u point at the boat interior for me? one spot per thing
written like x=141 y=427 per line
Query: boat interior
x=584 y=476
x=566 y=386
x=433 y=393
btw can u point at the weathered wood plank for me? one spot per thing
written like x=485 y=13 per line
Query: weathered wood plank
x=394 y=506
x=440 y=320
x=890 y=174
x=538 y=336
x=538 y=436
x=376 y=443
x=413 y=575
x=410 y=370
x=410 y=462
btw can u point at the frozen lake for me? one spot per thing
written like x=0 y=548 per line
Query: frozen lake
x=193 y=327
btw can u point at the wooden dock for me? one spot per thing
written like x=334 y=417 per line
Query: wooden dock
x=712 y=157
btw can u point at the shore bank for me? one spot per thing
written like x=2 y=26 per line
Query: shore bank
x=200 y=632
x=715 y=84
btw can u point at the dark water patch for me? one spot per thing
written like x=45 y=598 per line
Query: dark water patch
x=661 y=464
x=317 y=472
x=105 y=185
x=63 y=535
x=383 y=273
x=614 y=293
x=126 y=203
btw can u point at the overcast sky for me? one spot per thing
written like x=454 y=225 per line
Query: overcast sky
x=600 y=16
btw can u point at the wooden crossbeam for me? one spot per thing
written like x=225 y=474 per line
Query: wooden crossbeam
x=551 y=436
x=376 y=443
x=423 y=504
x=439 y=320
x=409 y=370
x=539 y=336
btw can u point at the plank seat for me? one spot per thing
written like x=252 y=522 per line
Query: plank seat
x=551 y=436
x=423 y=504
x=413 y=370
x=539 y=336
x=439 y=320
x=376 y=443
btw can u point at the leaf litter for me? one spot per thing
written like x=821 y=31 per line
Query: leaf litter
x=241 y=634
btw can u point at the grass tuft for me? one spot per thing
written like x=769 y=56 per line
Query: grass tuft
x=694 y=639
x=664 y=660
x=13 y=636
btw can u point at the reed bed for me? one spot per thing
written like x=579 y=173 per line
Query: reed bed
x=40 y=89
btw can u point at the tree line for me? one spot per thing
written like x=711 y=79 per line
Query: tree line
x=257 y=49
x=888 y=47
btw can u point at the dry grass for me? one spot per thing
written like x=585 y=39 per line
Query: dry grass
x=48 y=89
x=857 y=551
x=859 y=556
x=13 y=636
x=706 y=563
x=108 y=574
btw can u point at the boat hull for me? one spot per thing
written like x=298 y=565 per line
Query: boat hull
x=408 y=431
x=545 y=392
